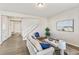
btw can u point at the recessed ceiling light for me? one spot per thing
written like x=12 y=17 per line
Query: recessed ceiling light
x=40 y=5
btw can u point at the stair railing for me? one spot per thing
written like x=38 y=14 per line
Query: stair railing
x=35 y=26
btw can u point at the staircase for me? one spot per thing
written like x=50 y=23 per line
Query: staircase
x=30 y=30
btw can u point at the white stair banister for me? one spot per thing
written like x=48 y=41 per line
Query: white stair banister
x=30 y=29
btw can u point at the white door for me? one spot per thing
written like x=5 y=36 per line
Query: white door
x=15 y=26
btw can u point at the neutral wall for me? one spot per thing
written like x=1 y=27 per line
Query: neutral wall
x=32 y=25
x=69 y=37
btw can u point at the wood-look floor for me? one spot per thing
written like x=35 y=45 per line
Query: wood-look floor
x=14 y=45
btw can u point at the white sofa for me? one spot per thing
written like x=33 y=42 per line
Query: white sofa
x=35 y=48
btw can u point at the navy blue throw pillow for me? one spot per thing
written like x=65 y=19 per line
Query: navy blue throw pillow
x=45 y=45
x=37 y=34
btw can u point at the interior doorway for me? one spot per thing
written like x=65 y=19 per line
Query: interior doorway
x=15 y=26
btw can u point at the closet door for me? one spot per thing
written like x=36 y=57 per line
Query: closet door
x=15 y=26
x=4 y=28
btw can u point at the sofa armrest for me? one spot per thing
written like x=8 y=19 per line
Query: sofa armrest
x=48 y=51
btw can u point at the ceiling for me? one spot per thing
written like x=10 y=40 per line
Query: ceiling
x=29 y=8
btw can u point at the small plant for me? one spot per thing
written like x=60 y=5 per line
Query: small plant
x=47 y=33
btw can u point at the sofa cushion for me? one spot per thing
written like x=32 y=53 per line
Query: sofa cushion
x=35 y=43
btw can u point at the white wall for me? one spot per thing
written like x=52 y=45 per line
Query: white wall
x=69 y=37
x=0 y=28
x=29 y=23
x=8 y=13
